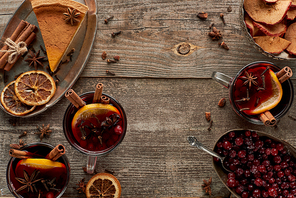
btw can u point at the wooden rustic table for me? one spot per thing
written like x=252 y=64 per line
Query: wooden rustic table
x=165 y=95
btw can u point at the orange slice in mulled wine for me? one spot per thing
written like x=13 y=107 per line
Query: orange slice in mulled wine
x=275 y=92
x=45 y=166
x=264 y=96
x=91 y=114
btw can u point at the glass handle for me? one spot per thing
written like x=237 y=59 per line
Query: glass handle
x=91 y=164
x=221 y=78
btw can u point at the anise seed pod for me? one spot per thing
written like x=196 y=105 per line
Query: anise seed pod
x=202 y=15
x=222 y=102
x=208 y=116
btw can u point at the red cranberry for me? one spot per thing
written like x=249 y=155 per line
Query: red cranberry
x=284 y=165
x=272 y=192
x=274 y=151
x=250 y=187
x=265 y=194
x=247 y=173
x=239 y=141
x=287 y=172
x=277 y=159
x=258 y=182
x=231 y=134
x=277 y=168
x=118 y=130
x=242 y=154
x=279 y=146
x=232 y=153
x=247 y=133
x=261 y=168
x=227 y=145
x=266 y=163
x=256 y=193
x=239 y=171
x=239 y=190
x=245 y=194
x=231 y=183
x=231 y=175
x=280 y=174
x=250 y=157
x=271 y=180
x=291 y=178
x=268 y=151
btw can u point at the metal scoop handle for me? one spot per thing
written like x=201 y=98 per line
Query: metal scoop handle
x=194 y=142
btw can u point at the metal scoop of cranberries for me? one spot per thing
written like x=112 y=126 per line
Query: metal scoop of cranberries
x=262 y=167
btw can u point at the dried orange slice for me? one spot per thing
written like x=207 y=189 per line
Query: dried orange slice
x=103 y=185
x=11 y=102
x=35 y=87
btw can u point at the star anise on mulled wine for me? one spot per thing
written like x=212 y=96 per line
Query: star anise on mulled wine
x=35 y=59
x=71 y=16
x=43 y=131
x=249 y=79
x=81 y=186
x=207 y=186
x=28 y=181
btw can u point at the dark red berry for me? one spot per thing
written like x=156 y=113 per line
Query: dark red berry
x=118 y=129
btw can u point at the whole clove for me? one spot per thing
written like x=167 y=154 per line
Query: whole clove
x=109 y=72
x=111 y=61
x=114 y=34
x=222 y=17
x=23 y=134
x=106 y=21
x=224 y=45
x=229 y=9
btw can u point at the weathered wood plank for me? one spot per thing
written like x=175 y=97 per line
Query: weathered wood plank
x=154 y=160
x=151 y=29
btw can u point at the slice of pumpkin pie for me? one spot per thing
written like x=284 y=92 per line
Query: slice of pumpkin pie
x=58 y=21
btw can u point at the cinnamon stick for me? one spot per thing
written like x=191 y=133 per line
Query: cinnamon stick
x=267 y=118
x=56 y=153
x=105 y=100
x=98 y=92
x=28 y=41
x=284 y=74
x=23 y=24
x=23 y=37
x=19 y=154
x=74 y=98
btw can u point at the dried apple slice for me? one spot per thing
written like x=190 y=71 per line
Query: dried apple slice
x=291 y=14
x=278 y=29
x=266 y=13
x=271 y=44
x=291 y=36
x=249 y=23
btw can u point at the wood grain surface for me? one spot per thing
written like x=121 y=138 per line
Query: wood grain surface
x=165 y=96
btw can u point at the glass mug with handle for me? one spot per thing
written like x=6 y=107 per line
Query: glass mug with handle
x=256 y=89
x=96 y=129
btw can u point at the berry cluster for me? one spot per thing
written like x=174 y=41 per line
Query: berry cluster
x=261 y=166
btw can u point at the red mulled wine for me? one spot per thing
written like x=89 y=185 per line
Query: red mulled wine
x=37 y=176
x=96 y=127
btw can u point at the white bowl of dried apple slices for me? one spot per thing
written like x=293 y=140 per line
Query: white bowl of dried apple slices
x=271 y=24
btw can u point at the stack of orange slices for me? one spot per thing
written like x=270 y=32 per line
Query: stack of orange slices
x=30 y=89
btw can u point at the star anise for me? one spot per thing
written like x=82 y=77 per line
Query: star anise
x=249 y=79
x=71 y=16
x=28 y=181
x=35 y=59
x=207 y=186
x=44 y=131
x=81 y=186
